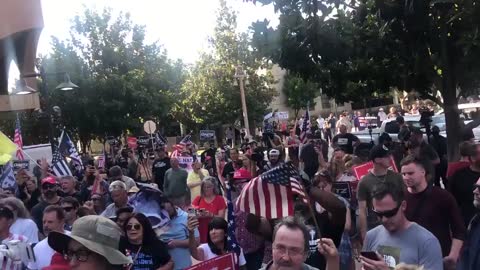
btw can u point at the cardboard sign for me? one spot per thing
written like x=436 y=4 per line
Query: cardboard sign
x=132 y=142
x=224 y=262
x=363 y=169
x=207 y=135
x=143 y=140
x=186 y=163
x=20 y=164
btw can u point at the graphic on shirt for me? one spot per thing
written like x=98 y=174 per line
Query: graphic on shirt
x=160 y=164
x=342 y=141
x=391 y=255
x=142 y=261
x=312 y=243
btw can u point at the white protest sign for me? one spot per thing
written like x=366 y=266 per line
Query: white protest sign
x=282 y=115
x=186 y=163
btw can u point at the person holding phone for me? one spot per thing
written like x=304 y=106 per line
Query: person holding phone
x=397 y=240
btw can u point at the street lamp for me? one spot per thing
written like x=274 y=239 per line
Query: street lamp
x=22 y=88
x=52 y=113
x=241 y=76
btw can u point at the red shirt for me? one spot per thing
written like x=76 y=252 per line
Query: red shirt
x=455 y=166
x=213 y=207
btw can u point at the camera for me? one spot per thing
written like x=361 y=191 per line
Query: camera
x=18 y=252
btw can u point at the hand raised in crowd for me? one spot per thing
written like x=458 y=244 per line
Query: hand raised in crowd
x=192 y=223
x=327 y=248
x=89 y=205
x=369 y=264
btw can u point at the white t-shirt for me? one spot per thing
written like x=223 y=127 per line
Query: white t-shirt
x=27 y=228
x=8 y=263
x=43 y=254
x=321 y=122
x=208 y=254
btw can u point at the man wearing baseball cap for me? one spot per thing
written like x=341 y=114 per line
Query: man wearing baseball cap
x=273 y=160
x=49 y=188
x=92 y=244
x=380 y=156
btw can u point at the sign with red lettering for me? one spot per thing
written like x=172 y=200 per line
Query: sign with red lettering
x=224 y=262
x=363 y=169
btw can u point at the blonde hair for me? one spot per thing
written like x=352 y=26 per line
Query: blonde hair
x=403 y=266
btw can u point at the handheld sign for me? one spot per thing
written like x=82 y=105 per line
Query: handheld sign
x=149 y=127
x=224 y=262
x=20 y=164
x=132 y=142
x=207 y=135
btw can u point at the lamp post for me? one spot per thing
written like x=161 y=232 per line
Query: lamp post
x=54 y=112
x=241 y=76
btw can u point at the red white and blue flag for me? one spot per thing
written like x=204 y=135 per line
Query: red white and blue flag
x=18 y=139
x=182 y=145
x=306 y=126
x=271 y=195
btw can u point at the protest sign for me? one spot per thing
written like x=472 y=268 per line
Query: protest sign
x=143 y=140
x=282 y=115
x=207 y=135
x=132 y=142
x=363 y=169
x=20 y=164
x=185 y=163
x=224 y=262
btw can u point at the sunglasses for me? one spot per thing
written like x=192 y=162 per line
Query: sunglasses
x=387 y=214
x=135 y=227
x=68 y=208
x=48 y=186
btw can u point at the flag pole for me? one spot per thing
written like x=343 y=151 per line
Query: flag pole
x=312 y=212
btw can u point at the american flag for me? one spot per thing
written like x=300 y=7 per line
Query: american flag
x=270 y=195
x=18 y=139
x=231 y=239
x=7 y=177
x=59 y=165
x=305 y=128
x=101 y=160
x=67 y=149
x=178 y=148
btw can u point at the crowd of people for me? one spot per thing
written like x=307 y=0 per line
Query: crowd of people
x=403 y=213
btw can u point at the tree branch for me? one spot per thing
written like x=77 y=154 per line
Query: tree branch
x=433 y=98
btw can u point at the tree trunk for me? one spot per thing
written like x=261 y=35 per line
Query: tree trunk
x=454 y=129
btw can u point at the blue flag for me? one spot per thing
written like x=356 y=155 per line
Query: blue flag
x=67 y=149
x=7 y=178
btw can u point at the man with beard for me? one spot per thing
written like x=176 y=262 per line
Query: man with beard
x=469 y=257
x=68 y=184
x=53 y=220
x=49 y=188
x=273 y=160
x=87 y=187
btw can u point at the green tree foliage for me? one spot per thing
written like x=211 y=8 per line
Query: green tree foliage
x=209 y=96
x=121 y=77
x=299 y=92
x=367 y=47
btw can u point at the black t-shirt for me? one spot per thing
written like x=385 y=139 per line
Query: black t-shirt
x=159 y=167
x=310 y=160
x=228 y=170
x=328 y=230
x=345 y=142
x=150 y=257
x=461 y=187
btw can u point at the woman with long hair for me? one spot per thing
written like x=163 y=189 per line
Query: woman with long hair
x=217 y=243
x=142 y=245
x=23 y=224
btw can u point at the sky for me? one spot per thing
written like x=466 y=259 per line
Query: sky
x=182 y=26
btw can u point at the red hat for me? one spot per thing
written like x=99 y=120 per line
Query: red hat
x=50 y=180
x=58 y=262
x=242 y=173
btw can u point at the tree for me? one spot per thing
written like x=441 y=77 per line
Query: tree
x=121 y=78
x=369 y=47
x=299 y=92
x=209 y=96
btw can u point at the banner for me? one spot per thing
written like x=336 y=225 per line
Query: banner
x=132 y=142
x=207 y=135
x=282 y=115
x=224 y=262
x=185 y=163
x=20 y=164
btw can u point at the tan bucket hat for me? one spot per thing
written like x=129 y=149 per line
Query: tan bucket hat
x=96 y=233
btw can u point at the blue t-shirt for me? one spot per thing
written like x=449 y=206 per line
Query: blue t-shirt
x=177 y=230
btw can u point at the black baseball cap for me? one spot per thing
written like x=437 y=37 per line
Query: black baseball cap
x=378 y=151
x=6 y=212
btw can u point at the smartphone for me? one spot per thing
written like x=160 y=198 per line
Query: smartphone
x=372 y=255
x=192 y=212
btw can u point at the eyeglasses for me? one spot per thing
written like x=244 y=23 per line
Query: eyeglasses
x=80 y=255
x=135 y=227
x=387 y=214
x=292 y=252
x=68 y=208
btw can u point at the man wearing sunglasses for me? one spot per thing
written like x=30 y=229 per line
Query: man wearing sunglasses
x=433 y=208
x=49 y=188
x=70 y=206
x=397 y=240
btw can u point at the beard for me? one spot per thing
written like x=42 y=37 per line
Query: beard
x=50 y=194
